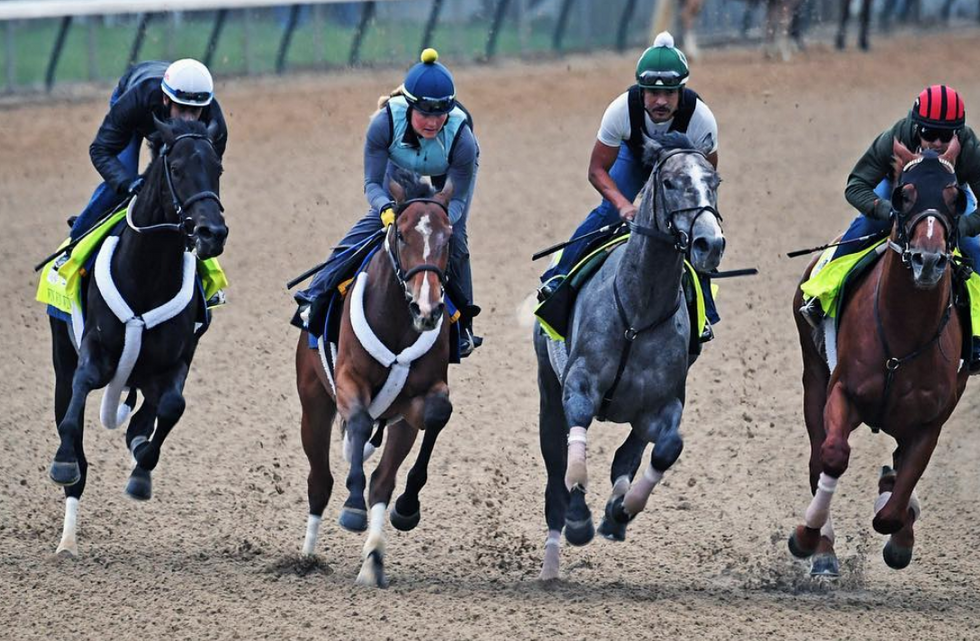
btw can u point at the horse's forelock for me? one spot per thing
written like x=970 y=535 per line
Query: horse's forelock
x=661 y=143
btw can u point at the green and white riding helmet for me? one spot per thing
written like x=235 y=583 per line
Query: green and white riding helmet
x=662 y=66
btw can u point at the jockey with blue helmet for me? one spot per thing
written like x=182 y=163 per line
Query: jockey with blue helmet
x=182 y=89
x=421 y=128
x=659 y=102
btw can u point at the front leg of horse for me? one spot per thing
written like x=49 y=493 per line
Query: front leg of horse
x=625 y=464
x=816 y=534
x=436 y=409
x=353 y=516
x=170 y=405
x=663 y=429
x=91 y=373
x=898 y=550
x=580 y=405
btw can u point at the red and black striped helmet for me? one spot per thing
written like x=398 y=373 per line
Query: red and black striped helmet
x=939 y=107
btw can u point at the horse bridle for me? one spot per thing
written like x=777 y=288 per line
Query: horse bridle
x=680 y=239
x=904 y=229
x=401 y=274
x=186 y=224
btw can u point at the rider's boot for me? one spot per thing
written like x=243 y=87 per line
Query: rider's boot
x=468 y=341
x=707 y=334
x=812 y=312
x=549 y=287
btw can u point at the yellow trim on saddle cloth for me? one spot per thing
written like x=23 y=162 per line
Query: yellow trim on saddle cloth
x=60 y=281
x=701 y=320
x=826 y=283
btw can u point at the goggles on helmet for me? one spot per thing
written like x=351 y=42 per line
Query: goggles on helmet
x=188 y=96
x=650 y=79
x=931 y=135
x=434 y=105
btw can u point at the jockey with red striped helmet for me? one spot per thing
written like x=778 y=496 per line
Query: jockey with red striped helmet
x=937 y=116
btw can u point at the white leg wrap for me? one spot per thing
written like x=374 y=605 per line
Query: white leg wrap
x=827 y=531
x=312 y=529
x=881 y=500
x=552 y=548
x=913 y=503
x=621 y=486
x=576 y=472
x=377 y=518
x=639 y=493
x=819 y=510
x=68 y=543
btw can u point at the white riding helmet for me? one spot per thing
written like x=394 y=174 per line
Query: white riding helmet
x=188 y=82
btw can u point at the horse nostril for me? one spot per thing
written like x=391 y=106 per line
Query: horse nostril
x=438 y=310
x=701 y=245
x=414 y=308
x=205 y=233
x=917 y=259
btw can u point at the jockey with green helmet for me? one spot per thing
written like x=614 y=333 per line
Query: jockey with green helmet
x=148 y=90
x=422 y=128
x=659 y=102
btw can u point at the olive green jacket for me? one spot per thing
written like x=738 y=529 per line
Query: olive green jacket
x=876 y=164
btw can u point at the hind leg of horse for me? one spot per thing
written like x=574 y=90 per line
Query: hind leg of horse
x=896 y=509
x=166 y=394
x=553 y=437
x=663 y=429
x=318 y=413
x=625 y=463
x=92 y=371
x=401 y=437
x=580 y=401
x=839 y=420
x=897 y=552
x=436 y=411
x=137 y=434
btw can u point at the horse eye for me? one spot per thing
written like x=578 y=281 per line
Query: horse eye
x=400 y=237
x=668 y=184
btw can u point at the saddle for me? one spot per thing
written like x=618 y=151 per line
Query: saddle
x=325 y=313
x=833 y=283
x=555 y=313
x=64 y=279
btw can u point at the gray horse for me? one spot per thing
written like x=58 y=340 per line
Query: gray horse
x=626 y=357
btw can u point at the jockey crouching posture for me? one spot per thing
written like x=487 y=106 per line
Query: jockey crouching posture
x=937 y=116
x=148 y=90
x=659 y=102
x=420 y=128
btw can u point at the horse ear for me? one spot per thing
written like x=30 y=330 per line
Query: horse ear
x=652 y=151
x=953 y=151
x=214 y=130
x=445 y=194
x=903 y=198
x=396 y=190
x=165 y=130
x=902 y=157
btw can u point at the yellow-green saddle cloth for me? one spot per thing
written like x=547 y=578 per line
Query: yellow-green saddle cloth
x=60 y=283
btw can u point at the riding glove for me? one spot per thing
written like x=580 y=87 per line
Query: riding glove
x=387 y=214
x=882 y=209
x=134 y=187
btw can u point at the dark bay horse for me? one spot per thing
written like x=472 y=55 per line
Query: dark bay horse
x=142 y=305
x=392 y=364
x=627 y=352
x=898 y=361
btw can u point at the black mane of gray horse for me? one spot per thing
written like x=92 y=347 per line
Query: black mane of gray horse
x=626 y=355
x=141 y=309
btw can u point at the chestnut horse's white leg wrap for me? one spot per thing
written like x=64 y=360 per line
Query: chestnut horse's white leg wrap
x=639 y=492
x=827 y=531
x=312 y=530
x=68 y=543
x=576 y=472
x=819 y=509
x=913 y=503
x=375 y=543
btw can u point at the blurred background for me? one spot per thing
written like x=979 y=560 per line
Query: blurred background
x=54 y=43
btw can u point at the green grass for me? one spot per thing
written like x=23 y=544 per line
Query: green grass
x=316 y=43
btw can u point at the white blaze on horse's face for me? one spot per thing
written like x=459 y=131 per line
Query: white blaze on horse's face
x=707 y=239
x=424 y=291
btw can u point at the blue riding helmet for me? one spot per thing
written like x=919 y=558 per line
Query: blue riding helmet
x=429 y=86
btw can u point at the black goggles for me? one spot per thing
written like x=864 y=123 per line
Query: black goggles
x=931 y=135
x=199 y=97
x=433 y=106
x=657 y=79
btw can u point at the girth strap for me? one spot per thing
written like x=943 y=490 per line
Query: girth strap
x=630 y=335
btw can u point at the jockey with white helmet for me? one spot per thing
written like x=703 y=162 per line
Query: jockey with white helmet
x=183 y=89
x=422 y=128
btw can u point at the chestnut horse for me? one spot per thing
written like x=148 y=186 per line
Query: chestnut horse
x=392 y=363
x=899 y=370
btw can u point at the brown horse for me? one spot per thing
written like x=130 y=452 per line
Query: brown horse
x=392 y=361
x=898 y=370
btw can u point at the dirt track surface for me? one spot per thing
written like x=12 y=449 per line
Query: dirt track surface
x=214 y=554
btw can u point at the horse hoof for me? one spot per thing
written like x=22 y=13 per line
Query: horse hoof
x=897 y=558
x=616 y=510
x=579 y=529
x=797 y=550
x=402 y=522
x=825 y=565
x=353 y=519
x=611 y=530
x=65 y=473
x=140 y=486
x=372 y=572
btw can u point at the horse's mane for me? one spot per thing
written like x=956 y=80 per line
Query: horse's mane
x=413 y=185
x=661 y=143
